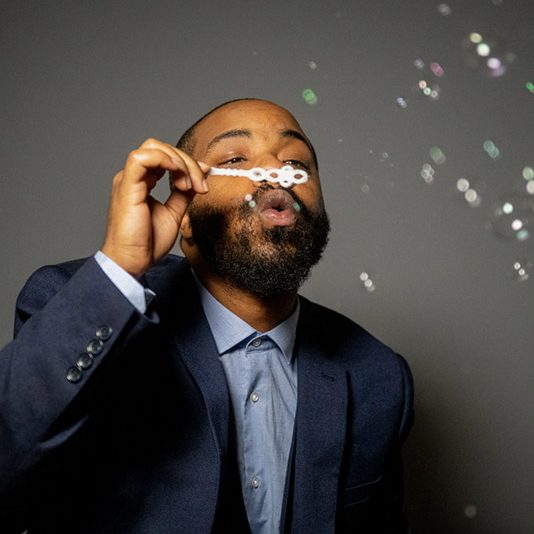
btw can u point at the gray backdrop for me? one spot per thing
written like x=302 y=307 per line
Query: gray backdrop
x=450 y=283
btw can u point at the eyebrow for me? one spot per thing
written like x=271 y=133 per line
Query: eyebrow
x=294 y=134
x=226 y=135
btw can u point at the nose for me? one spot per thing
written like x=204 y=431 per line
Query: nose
x=268 y=161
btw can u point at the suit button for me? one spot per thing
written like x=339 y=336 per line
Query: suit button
x=74 y=375
x=95 y=347
x=104 y=332
x=84 y=361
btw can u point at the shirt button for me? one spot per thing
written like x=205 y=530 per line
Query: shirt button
x=257 y=342
x=104 y=332
x=95 y=347
x=255 y=482
x=254 y=397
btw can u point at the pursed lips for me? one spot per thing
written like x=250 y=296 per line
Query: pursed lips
x=277 y=207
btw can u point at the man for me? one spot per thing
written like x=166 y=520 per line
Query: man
x=145 y=393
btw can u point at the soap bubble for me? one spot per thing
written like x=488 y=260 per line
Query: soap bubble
x=419 y=64
x=401 y=102
x=472 y=198
x=444 y=9
x=521 y=270
x=468 y=191
x=437 y=155
x=530 y=187
x=309 y=97
x=427 y=173
x=437 y=69
x=530 y=87
x=483 y=53
x=492 y=150
x=512 y=215
x=368 y=284
x=528 y=173
x=312 y=65
x=463 y=185
x=427 y=89
x=470 y=511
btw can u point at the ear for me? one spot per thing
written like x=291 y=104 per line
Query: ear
x=185 y=227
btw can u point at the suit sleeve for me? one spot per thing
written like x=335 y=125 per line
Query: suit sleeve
x=67 y=327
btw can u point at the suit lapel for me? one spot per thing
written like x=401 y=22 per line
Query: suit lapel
x=319 y=437
x=181 y=310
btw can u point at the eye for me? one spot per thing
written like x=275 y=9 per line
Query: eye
x=297 y=163
x=233 y=161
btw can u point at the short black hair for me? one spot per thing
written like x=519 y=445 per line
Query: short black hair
x=186 y=141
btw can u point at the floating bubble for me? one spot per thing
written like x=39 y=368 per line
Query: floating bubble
x=512 y=215
x=309 y=97
x=312 y=65
x=483 y=49
x=402 y=102
x=470 y=511
x=530 y=87
x=437 y=155
x=419 y=64
x=462 y=185
x=426 y=89
x=427 y=173
x=365 y=188
x=491 y=149
x=530 y=187
x=486 y=55
x=368 y=284
x=252 y=204
x=296 y=206
x=248 y=197
x=472 y=198
x=437 y=69
x=522 y=270
x=444 y=9
x=528 y=173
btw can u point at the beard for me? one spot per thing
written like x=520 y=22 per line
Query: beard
x=265 y=262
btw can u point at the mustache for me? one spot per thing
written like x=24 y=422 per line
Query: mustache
x=267 y=187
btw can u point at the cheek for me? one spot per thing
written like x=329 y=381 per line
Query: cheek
x=311 y=195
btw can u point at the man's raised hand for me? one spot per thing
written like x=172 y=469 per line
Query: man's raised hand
x=141 y=230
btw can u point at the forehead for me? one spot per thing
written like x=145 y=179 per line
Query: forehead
x=261 y=118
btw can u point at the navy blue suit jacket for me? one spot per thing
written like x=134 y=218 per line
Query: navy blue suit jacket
x=143 y=442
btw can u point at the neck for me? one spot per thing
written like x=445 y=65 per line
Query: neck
x=262 y=313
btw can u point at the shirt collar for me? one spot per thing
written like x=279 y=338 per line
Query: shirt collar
x=229 y=330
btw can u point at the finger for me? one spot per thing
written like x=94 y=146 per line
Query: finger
x=145 y=163
x=196 y=171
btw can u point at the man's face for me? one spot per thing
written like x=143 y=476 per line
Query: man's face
x=266 y=246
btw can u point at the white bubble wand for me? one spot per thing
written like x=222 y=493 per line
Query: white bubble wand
x=285 y=176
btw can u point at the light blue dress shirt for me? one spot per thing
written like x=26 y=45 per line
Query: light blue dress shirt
x=261 y=373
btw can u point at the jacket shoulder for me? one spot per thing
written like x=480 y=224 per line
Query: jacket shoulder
x=349 y=341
